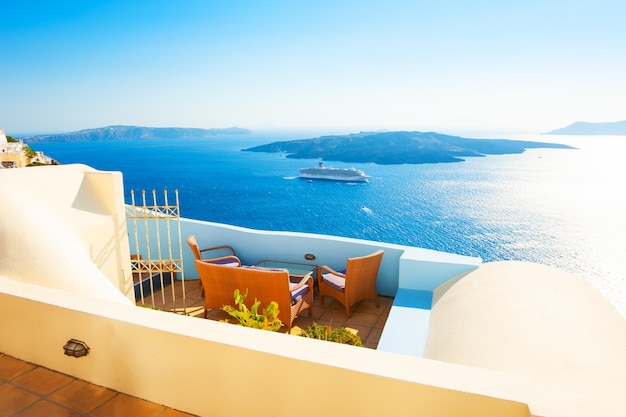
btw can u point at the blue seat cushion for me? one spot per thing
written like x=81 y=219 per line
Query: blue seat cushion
x=225 y=262
x=296 y=295
x=334 y=281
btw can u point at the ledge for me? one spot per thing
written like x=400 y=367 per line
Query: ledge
x=406 y=328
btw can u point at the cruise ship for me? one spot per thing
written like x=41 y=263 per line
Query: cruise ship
x=322 y=172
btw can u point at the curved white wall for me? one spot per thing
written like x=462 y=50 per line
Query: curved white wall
x=64 y=227
x=402 y=266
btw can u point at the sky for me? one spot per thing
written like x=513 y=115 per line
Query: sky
x=447 y=66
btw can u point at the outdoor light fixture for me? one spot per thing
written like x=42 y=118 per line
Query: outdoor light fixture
x=309 y=256
x=76 y=348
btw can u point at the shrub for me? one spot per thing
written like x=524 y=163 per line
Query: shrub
x=337 y=335
x=267 y=320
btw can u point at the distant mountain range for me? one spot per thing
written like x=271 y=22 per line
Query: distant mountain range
x=398 y=147
x=134 y=132
x=587 y=128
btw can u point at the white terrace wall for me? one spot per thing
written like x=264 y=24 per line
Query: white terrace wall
x=216 y=369
x=405 y=266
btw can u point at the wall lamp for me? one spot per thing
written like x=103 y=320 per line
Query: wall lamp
x=76 y=348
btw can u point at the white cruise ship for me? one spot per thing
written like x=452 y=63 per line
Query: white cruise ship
x=322 y=172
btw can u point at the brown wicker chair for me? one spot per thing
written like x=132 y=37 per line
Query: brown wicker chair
x=263 y=284
x=218 y=254
x=224 y=255
x=356 y=284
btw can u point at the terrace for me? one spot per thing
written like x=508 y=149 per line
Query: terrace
x=365 y=318
x=66 y=273
x=27 y=388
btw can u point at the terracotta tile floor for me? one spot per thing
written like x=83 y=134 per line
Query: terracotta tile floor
x=28 y=390
x=364 y=316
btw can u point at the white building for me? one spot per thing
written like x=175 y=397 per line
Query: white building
x=3 y=141
x=12 y=154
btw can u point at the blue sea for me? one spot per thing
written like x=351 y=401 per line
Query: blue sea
x=558 y=207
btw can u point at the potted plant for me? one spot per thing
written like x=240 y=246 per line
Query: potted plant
x=250 y=317
x=342 y=335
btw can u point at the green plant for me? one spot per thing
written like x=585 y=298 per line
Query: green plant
x=267 y=320
x=29 y=152
x=338 y=335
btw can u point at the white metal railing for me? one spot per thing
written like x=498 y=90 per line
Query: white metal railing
x=157 y=261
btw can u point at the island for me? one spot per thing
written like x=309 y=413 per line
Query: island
x=135 y=132
x=588 y=128
x=399 y=147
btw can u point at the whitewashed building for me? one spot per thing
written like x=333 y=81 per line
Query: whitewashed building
x=12 y=154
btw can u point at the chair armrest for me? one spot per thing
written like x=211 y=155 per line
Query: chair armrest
x=217 y=248
x=307 y=279
x=223 y=260
x=328 y=269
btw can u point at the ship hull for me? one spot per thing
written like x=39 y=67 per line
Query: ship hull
x=333 y=174
x=334 y=178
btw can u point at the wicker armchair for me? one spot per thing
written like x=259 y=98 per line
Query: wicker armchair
x=218 y=254
x=356 y=284
x=263 y=284
x=224 y=255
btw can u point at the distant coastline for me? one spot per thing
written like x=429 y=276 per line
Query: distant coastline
x=119 y=132
x=587 y=128
x=388 y=148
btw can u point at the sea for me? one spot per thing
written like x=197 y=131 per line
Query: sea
x=559 y=207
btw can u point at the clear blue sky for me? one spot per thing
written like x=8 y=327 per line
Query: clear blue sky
x=449 y=66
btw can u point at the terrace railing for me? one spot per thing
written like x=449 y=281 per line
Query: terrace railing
x=157 y=261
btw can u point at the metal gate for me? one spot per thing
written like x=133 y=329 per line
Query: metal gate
x=157 y=262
